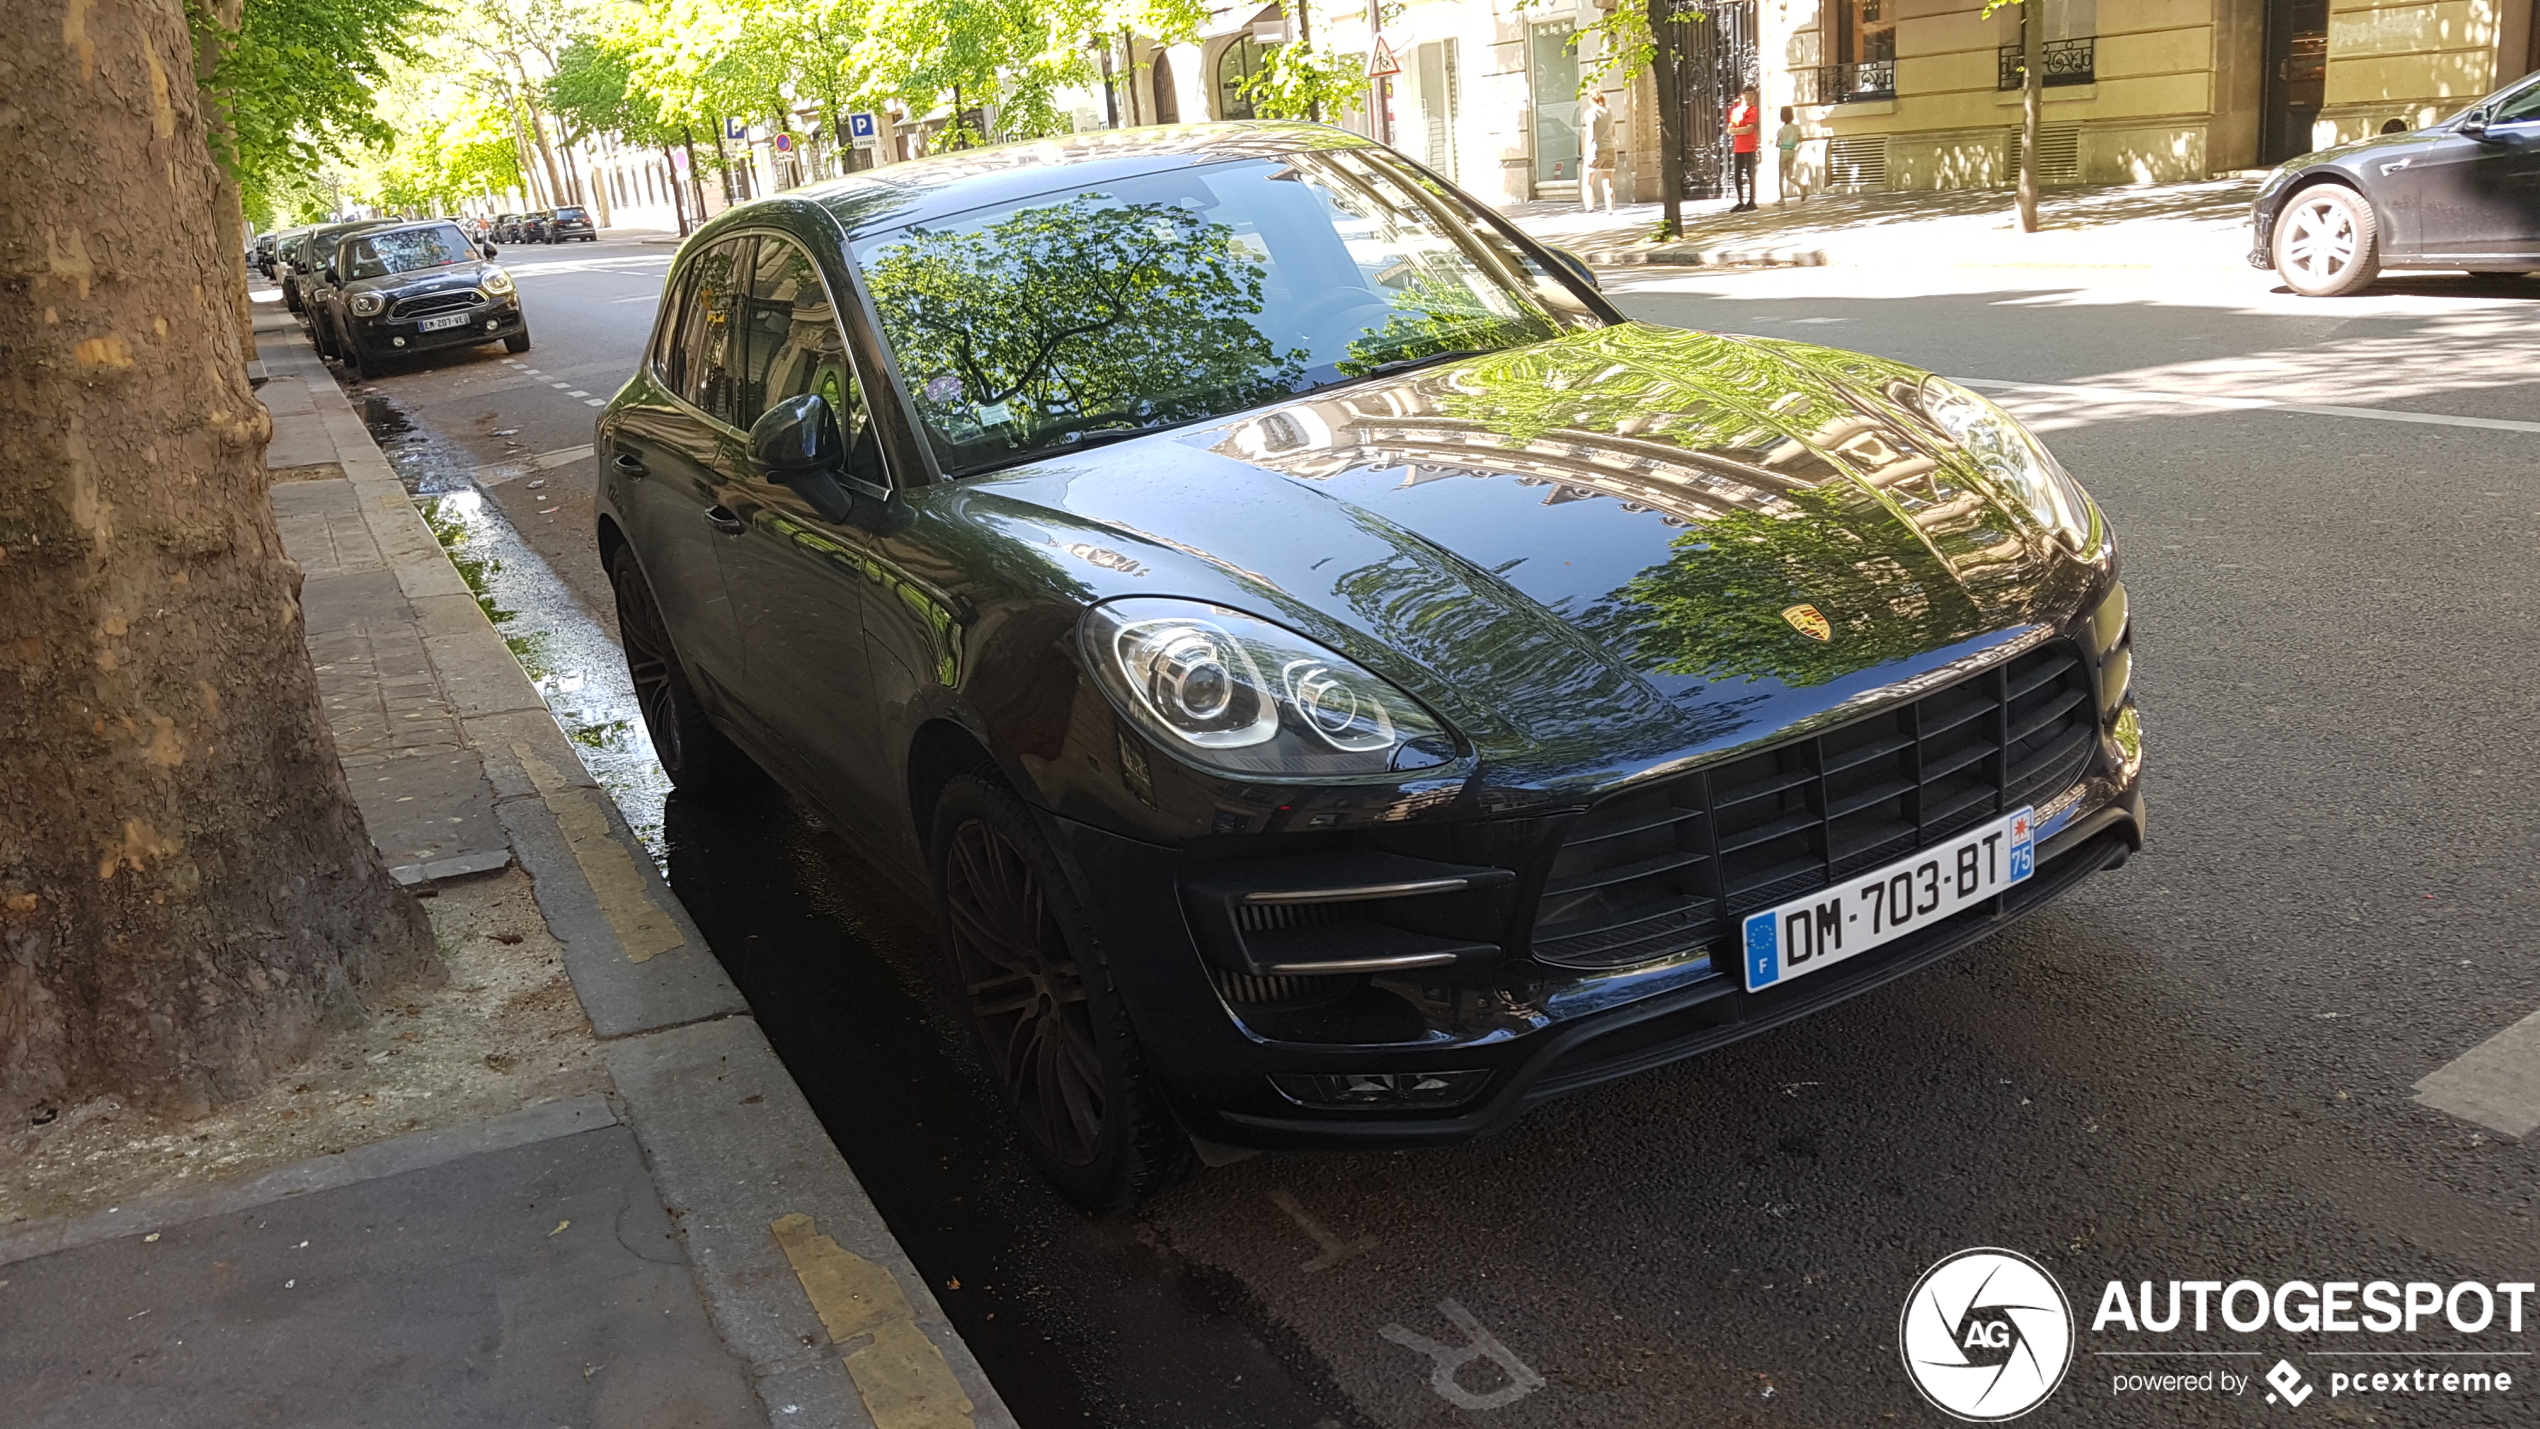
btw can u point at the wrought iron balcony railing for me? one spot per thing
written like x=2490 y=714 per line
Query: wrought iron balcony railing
x=1840 y=84
x=2073 y=61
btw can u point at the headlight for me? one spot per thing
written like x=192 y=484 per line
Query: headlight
x=2008 y=454
x=1243 y=696
x=496 y=281
x=367 y=305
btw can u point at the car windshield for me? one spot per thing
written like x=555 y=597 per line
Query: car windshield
x=404 y=250
x=1079 y=314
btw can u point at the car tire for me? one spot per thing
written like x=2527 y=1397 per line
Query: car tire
x=361 y=365
x=322 y=338
x=517 y=342
x=699 y=758
x=2326 y=242
x=1035 y=988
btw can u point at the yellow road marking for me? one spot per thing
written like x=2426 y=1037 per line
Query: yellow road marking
x=626 y=900
x=899 y=1373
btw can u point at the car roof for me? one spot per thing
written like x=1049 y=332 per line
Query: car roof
x=943 y=184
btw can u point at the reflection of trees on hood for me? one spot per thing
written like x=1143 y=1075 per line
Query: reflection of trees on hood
x=1081 y=309
x=1436 y=314
x=1714 y=609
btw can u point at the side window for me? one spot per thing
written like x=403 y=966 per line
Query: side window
x=666 y=348
x=796 y=346
x=2519 y=109
x=710 y=332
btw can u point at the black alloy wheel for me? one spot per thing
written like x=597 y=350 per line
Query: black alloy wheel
x=699 y=758
x=1039 y=996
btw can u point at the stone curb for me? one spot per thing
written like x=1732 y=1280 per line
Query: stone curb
x=677 y=1034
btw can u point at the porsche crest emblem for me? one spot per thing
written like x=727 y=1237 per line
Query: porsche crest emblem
x=1809 y=621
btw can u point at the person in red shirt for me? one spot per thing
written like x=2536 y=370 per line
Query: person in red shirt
x=1746 y=122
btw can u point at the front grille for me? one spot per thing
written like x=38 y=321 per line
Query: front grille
x=432 y=303
x=1664 y=870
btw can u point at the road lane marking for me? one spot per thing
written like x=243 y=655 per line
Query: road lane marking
x=1335 y=1250
x=595 y=401
x=639 y=298
x=899 y=1373
x=2253 y=404
x=1447 y=1359
x=577 y=392
x=496 y=473
x=2495 y=1084
x=559 y=386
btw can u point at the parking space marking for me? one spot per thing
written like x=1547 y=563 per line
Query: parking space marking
x=1447 y=1359
x=2251 y=404
x=1335 y=1250
x=559 y=386
x=595 y=401
x=2495 y=1084
x=577 y=392
x=496 y=473
x=899 y=1373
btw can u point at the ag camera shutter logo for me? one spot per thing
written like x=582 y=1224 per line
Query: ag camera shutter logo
x=1986 y=1335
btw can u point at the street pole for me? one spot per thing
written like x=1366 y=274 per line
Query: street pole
x=2032 y=101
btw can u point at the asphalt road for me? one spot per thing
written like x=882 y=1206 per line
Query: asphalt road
x=2195 y=1068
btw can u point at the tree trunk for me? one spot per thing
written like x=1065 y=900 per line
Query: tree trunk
x=186 y=890
x=670 y=176
x=1671 y=117
x=546 y=151
x=2032 y=101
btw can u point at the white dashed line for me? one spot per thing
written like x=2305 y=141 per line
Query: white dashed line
x=559 y=386
x=577 y=392
x=2253 y=404
x=595 y=401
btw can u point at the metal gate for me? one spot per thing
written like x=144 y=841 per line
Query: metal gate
x=1715 y=56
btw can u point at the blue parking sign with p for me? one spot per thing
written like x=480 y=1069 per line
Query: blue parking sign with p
x=861 y=130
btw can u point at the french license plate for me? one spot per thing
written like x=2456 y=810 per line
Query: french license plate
x=437 y=324
x=1811 y=934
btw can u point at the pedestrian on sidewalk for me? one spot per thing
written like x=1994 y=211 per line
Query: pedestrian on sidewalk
x=1786 y=139
x=1597 y=163
x=1745 y=124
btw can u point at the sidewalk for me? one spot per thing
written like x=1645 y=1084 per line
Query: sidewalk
x=2169 y=226
x=655 y=1233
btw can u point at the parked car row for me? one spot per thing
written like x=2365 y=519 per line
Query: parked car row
x=377 y=290
x=547 y=225
x=2463 y=194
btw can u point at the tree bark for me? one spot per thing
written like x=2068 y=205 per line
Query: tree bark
x=1671 y=117
x=186 y=890
x=2032 y=102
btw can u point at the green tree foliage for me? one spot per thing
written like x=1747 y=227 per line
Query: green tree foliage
x=1075 y=316
x=296 y=81
x=1305 y=80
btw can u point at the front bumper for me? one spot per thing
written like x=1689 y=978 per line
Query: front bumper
x=386 y=336
x=1534 y=1032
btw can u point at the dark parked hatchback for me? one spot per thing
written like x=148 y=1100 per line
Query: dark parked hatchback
x=2462 y=194
x=414 y=288
x=1339 y=681
x=568 y=224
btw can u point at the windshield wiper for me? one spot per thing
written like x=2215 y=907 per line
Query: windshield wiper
x=1399 y=363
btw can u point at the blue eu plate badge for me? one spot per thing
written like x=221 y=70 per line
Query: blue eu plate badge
x=1867 y=909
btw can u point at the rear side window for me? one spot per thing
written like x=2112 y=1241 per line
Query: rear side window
x=710 y=330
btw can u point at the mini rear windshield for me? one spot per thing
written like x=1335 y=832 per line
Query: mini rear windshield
x=376 y=255
x=569 y=213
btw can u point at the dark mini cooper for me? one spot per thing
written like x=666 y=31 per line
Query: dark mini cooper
x=1340 y=681
x=2462 y=194
x=415 y=288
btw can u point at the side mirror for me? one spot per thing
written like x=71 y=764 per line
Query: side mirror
x=2473 y=125
x=1578 y=265
x=797 y=443
x=489 y=250
x=331 y=279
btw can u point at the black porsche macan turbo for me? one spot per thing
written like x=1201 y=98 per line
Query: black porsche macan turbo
x=1341 y=682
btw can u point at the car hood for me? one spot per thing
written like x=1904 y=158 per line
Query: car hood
x=1588 y=550
x=449 y=276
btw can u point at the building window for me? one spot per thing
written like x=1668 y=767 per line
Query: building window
x=1238 y=62
x=1865 y=53
x=2074 y=61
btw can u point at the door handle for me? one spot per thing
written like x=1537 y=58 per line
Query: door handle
x=632 y=464
x=722 y=519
